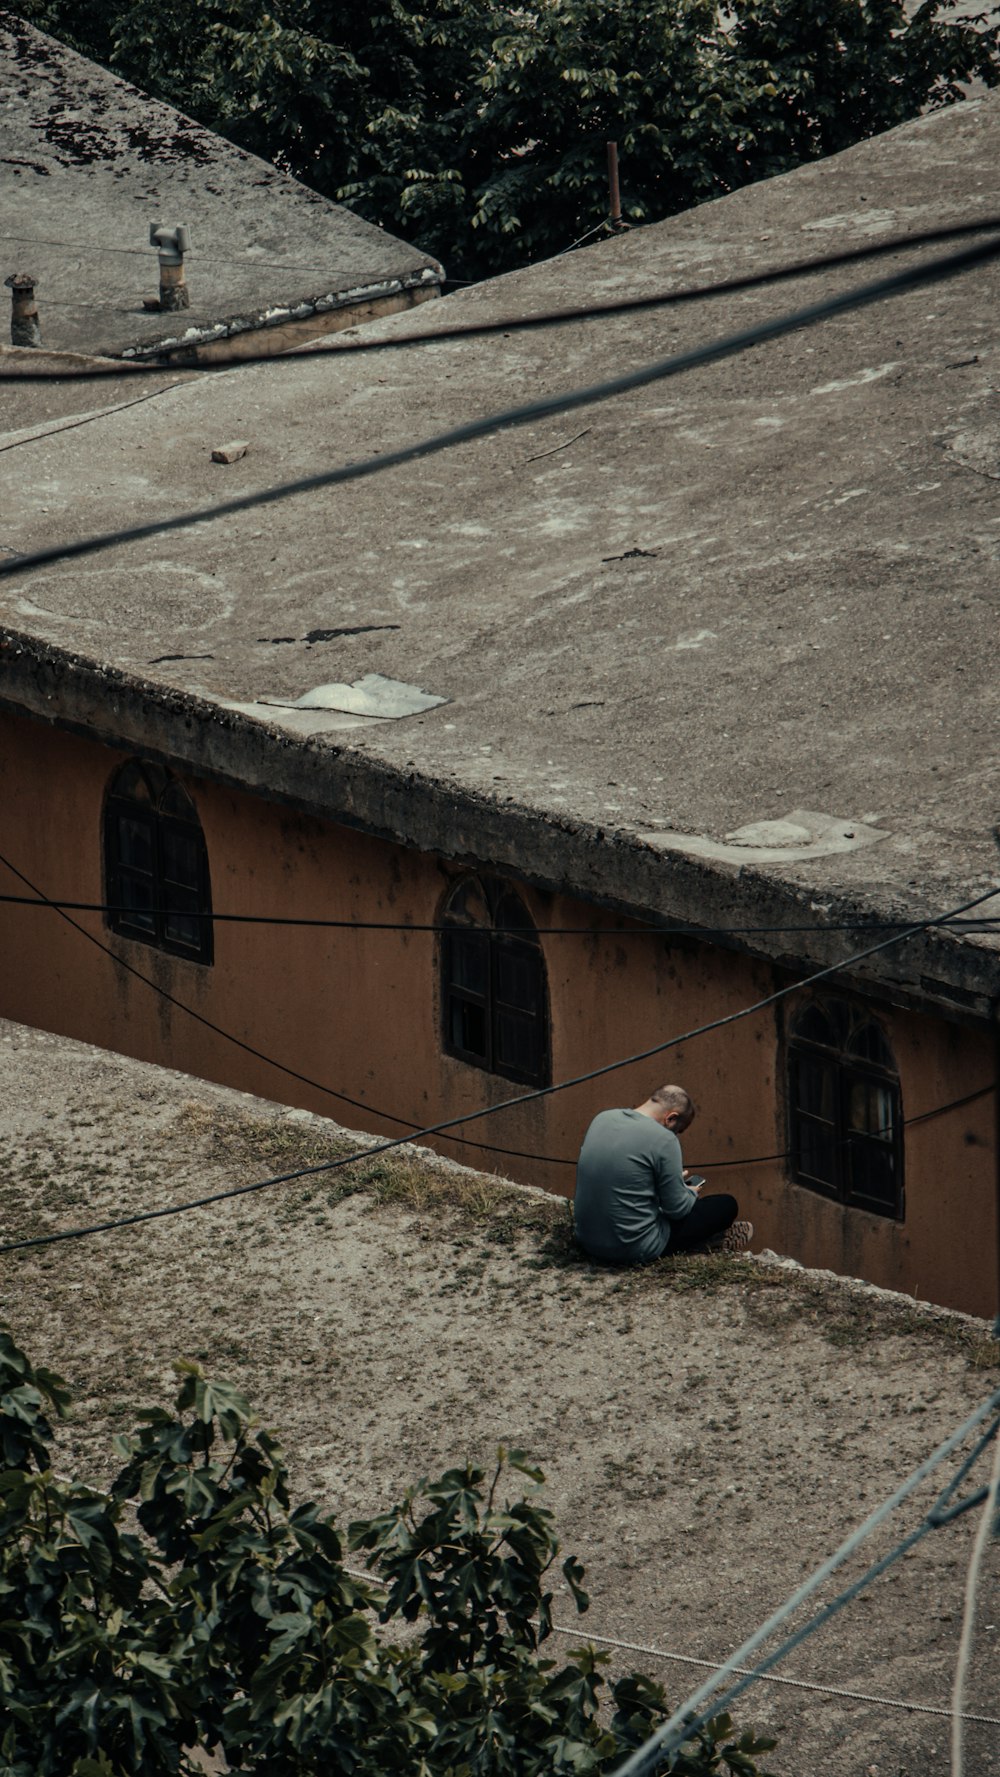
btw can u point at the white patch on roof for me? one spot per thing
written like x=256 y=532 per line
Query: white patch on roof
x=867 y=221
x=871 y=375
x=801 y=834
x=374 y=695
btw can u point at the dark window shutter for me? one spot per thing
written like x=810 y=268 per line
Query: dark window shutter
x=493 y=987
x=845 y=1109
x=156 y=864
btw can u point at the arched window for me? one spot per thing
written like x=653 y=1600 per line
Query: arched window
x=156 y=865
x=846 y=1122
x=493 y=992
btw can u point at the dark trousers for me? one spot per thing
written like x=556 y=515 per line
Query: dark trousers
x=709 y=1217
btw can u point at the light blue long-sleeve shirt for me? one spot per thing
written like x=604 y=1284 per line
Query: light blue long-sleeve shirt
x=629 y=1188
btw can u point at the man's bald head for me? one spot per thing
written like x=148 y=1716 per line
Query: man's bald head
x=671 y=1107
x=674 y=1098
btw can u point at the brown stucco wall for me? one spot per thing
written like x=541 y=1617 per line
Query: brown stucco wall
x=359 y=1013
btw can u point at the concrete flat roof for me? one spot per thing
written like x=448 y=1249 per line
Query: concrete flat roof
x=760 y=600
x=88 y=163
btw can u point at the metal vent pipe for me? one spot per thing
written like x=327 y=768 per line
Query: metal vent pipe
x=171 y=245
x=24 y=328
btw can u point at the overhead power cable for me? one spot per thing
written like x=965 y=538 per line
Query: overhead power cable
x=373 y=1110
x=630 y=305
x=172 y=357
x=939 y=1110
x=716 y=1693
x=927 y=272
x=207 y=1023
x=590 y=1637
x=193 y=256
x=580 y=239
x=38 y=900
x=88 y=419
x=780 y=1678
x=987 y=1528
x=522 y=1098
x=985 y=923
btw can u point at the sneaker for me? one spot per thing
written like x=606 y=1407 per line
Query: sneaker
x=736 y=1239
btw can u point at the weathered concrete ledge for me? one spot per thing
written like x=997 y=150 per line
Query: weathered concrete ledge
x=278 y=329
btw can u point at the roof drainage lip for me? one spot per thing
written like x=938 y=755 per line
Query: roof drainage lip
x=375 y=696
x=801 y=834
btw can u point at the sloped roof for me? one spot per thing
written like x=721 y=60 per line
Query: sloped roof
x=765 y=592
x=88 y=163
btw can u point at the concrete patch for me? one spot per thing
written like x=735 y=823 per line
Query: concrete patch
x=803 y=834
x=374 y=695
x=873 y=374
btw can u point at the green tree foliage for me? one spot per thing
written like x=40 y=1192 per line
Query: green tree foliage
x=477 y=130
x=191 y=1605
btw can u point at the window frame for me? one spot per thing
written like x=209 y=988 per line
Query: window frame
x=497 y=943
x=849 y=1072
x=170 y=899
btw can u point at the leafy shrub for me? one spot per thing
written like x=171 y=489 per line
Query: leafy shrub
x=192 y=1606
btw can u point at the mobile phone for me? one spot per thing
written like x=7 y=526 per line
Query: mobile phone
x=695 y=1181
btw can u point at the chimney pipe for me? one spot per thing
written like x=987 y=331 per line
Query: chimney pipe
x=24 y=328
x=171 y=245
x=614 y=195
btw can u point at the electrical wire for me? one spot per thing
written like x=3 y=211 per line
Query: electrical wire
x=590 y=1637
x=598 y=228
x=956 y=1104
x=806 y=317
x=693 y=1713
x=193 y=255
x=523 y=1098
x=752 y=1675
x=939 y=1110
x=238 y=1042
x=741 y=285
x=987 y=1526
x=38 y=900
x=928 y=271
x=853 y=299
x=987 y=923
x=89 y=418
x=547 y=318
x=798 y=1684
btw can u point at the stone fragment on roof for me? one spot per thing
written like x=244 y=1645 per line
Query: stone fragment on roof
x=230 y=453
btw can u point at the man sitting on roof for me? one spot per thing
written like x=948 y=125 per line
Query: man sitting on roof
x=633 y=1200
